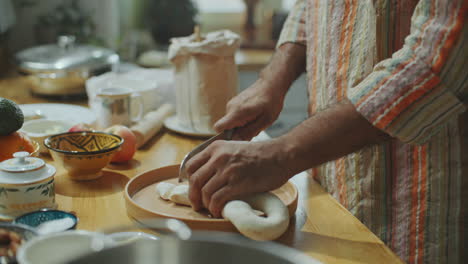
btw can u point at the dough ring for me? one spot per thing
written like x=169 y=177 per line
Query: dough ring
x=243 y=217
x=242 y=213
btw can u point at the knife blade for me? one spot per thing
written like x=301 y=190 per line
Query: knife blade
x=225 y=135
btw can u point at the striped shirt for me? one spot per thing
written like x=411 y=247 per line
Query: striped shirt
x=404 y=65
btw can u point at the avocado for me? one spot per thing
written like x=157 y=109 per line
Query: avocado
x=11 y=117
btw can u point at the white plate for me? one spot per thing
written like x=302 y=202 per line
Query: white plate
x=172 y=123
x=73 y=114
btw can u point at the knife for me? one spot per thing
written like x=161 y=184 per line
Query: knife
x=225 y=135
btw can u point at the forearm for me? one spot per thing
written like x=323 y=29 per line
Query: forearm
x=326 y=136
x=286 y=65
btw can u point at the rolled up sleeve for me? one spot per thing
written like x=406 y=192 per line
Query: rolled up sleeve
x=294 y=28
x=416 y=92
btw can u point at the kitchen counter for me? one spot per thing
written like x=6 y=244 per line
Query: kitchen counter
x=321 y=228
x=253 y=59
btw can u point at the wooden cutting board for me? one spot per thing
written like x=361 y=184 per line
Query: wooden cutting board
x=143 y=202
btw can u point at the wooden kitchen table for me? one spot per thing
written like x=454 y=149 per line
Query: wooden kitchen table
x=321 y=228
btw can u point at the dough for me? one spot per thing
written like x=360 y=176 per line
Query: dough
x=164 y=189
x=243 y=217
x=179 y=195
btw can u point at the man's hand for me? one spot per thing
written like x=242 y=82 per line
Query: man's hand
x=227 y=170
x=252 y=110
x=258 y=107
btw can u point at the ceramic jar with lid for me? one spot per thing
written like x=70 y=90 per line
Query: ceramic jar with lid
x=26 y=184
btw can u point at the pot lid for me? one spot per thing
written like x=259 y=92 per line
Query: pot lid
x=65 y=55
x=24 y=169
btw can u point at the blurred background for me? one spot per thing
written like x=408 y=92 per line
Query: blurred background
x=140 y=30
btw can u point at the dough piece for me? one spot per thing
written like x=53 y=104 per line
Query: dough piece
x=244 y=214
x=179 y=195
x=243 y=217
x=164 y=189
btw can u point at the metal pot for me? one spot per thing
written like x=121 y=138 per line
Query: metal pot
x=202 y=248
x=197 y=248
x=62 y=69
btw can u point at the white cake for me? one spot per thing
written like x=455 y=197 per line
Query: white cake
x=205 y=78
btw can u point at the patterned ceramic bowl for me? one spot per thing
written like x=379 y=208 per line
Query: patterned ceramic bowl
x=83 y=154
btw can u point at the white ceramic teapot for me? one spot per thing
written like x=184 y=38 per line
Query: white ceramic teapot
x=26 y=184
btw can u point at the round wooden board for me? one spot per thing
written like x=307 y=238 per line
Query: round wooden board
x=143 y=202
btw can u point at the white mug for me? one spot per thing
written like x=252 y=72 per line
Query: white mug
x=114 y=106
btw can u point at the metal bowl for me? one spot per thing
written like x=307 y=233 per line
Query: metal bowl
x=201 y=248
x=61 y=69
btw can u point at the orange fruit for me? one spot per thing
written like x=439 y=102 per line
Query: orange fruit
x=14 y=142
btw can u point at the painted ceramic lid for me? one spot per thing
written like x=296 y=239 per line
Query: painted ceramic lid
x=24 y=169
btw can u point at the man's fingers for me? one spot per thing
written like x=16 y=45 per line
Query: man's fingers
x=212 y=186
x=237 y=118
x=197 y=161
x=228 y=121
x=220 y=198
x=195 y=200
x=250 y=130
x=196 y=182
